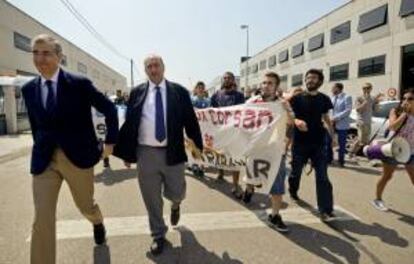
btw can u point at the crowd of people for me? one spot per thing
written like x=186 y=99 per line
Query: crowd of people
x=158 y=112
x=317 y=125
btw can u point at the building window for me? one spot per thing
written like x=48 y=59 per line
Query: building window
x=283 y=78
x=373 y=19
x=82 y=68
x=341 y=32
x=316 y=42
x=22 y=42
x=255 y=68
x=371 y=66
x=64 y=60
x=339 y=72
x=297 y=50
x=407 y=8
x=284 y=56
x=272 y=61
x=262 y=64
x=297 y=80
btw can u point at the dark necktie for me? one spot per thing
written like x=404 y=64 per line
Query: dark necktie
x=50 y=100
x=159 y=116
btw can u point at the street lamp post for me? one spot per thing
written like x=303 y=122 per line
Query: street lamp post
x=246 y=27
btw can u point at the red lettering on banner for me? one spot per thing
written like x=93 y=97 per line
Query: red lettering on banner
x=212 y=115
x=249 y=120
x=237 y=118
x=262 y=115
x=220 y=117
x=226 y=116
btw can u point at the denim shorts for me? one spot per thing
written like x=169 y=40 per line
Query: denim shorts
x=392 y=161
x=278 y=187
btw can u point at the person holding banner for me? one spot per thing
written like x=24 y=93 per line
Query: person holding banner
x=311 y=108
x=152 y=136
x=270 y=87
x=402 y=122
x=228 y=96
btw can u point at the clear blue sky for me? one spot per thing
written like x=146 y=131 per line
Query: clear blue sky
x=199 y=40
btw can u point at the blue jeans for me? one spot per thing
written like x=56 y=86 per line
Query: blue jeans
x=301 y=153
x=278 y=186
x=342 y=144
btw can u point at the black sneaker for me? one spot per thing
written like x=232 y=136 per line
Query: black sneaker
x=326 y=217
x=237 y=193
x=157 y=246
x=247 y=196
x=106 y=162
x=99 y=234
x=175 y=216
x=277 y=223
x=294 y=197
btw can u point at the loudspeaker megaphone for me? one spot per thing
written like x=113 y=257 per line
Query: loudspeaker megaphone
x=398 y=148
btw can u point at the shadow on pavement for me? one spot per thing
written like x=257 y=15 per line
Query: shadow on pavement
x=323 y=245
x=403 y=217
x=191 y=251
x=385 y=234
x=101 y=255
x=111 y=177
x=259 y=201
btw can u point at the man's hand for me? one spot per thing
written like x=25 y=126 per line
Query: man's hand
x=195 y=152
x=301 y=125
x=107 y=151
x=127 y=164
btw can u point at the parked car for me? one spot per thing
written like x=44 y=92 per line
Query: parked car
x=379 y=122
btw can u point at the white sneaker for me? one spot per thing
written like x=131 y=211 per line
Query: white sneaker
x=379 y=205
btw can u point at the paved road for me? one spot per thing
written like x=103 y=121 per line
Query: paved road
x=214 y=227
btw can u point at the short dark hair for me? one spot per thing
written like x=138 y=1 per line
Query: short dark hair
x=316 y=72
x=409 y=90
x=229 y=73
x=275 y=76
x=340 y=86
x=200 y=83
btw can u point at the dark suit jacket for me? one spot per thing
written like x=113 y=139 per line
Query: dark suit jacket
x=70 y=127
x=180 y=116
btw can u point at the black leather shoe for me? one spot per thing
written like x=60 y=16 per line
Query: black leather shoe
x=175 y=216
x=157 y=246
x=99 y=234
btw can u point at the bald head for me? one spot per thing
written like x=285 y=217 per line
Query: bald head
x=154 y=68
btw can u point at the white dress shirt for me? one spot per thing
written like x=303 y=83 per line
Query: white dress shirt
x=44 y=88
x=146 y=135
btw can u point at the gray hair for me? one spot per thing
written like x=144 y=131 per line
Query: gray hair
x=153 y=57
x=44 y=38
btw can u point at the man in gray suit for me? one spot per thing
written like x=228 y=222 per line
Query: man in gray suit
x=152 y=135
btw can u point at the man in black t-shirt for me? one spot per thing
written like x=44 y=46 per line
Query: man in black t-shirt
x=311 y=109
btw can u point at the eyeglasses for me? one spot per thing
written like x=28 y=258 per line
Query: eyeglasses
x=408 y=99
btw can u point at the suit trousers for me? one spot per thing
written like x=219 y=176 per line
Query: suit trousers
x=46 y=188
x=156 y=177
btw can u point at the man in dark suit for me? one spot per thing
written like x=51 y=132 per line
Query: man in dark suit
x=65 y=146
x=152 y=135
